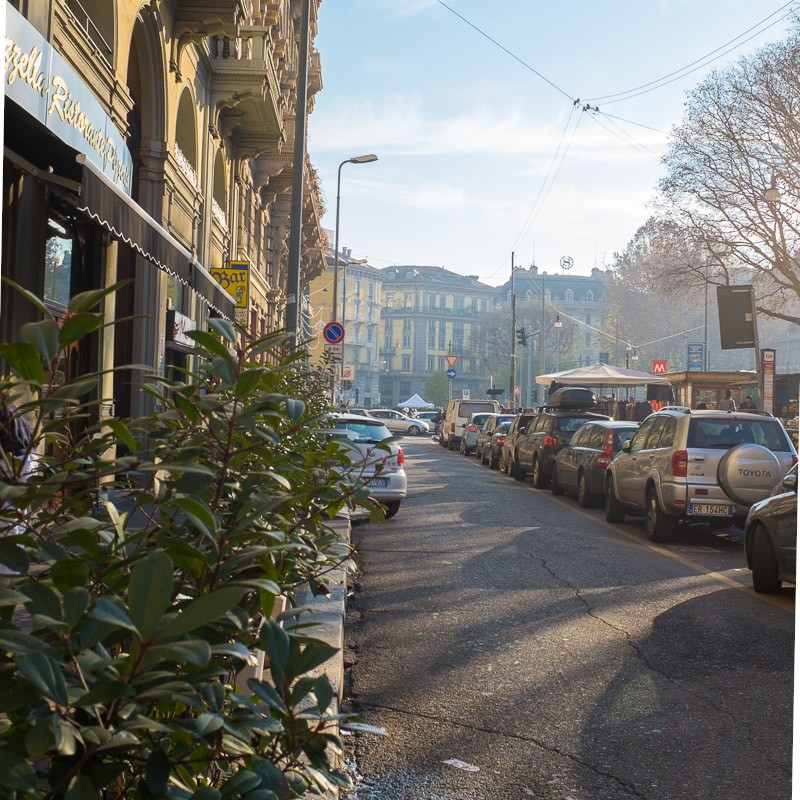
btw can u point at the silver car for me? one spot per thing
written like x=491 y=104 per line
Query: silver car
x=397 y=422
x=688 y=465
x=377 y=459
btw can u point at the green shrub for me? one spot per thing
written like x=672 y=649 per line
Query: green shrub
x=141 y=585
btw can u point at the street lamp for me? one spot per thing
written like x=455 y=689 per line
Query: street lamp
x=365 y=159
x=557 y=325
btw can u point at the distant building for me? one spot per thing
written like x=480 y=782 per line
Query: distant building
x=427 y=314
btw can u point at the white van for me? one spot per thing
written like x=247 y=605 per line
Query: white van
x=456 y=416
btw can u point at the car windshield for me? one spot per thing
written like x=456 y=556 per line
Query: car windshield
x=722 y=434
x=362 y=432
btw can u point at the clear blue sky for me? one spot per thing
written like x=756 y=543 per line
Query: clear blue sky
x=466 y=135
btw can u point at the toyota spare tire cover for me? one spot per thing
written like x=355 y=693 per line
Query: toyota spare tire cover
x=748 y=473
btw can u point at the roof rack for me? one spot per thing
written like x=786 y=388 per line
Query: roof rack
x=684 y=409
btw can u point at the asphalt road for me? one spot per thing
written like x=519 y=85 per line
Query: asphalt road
x=517 y=646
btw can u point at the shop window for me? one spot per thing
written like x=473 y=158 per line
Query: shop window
x=59 y=251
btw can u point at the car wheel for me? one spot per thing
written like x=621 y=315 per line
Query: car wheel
x=764 y=563
x=414 y=430
x=614 y=511
x=484 y=459
x=539 y=480
x=585 y=498
x=462 y=448
x=451 y=445
x=494 y=461
x=659 y=526
x=501 y=464
x=555 y=486
x=516 y=471
x=392 y=508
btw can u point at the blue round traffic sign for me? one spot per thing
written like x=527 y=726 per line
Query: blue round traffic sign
x=451 y=373
x=333 y=332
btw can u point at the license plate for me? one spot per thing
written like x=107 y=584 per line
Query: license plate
x=384 y=482
x=711 y=509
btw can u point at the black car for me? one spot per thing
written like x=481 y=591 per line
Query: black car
x=490 y=454
x=580 y=467
x=770 y=542
x=551 y=430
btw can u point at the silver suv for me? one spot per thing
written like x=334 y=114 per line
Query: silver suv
x=704 y=466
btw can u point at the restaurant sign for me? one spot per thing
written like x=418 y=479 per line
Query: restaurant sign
x=39 y=80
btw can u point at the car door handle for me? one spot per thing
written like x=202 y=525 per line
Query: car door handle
x=697 y=458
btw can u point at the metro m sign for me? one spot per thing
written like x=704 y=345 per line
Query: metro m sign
x=659 y=368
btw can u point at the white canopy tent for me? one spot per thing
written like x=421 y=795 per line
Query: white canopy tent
x=415 y=401
x=600 y=375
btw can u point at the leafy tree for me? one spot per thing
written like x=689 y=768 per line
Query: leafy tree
x=437 y=389
x=733 y=180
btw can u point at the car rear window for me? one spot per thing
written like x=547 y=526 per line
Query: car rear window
x=621 y=435
x=474 y=407
x=568 y=425
x=363 y=432
x=722 y=434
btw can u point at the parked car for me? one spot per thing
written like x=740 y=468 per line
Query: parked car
x=455 y=419
x=770 y=541
x=580 y=467
x=433 y=418
x=469 y=438
x=490 y=454
x=378 y=460
x=508 y=452
x=397 y=422
x=554 y=426
x=487 y=430
x=690 y=465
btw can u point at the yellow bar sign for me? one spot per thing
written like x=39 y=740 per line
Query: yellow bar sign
x=235 y=280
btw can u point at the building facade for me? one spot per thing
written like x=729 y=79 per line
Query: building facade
x=428 y=314
x=152 y=143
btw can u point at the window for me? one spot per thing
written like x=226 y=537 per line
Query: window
x=58 y=263
x=432 y=334
x=406 y=364
x=569 y=295
x=668 y=433
x=431 y=363
x=582 y=436
x=590 y=296
x=406 y=340
x=440 y=362
x=655 y=433
x=638 y=440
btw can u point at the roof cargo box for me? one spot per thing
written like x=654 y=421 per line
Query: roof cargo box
x=572 y=397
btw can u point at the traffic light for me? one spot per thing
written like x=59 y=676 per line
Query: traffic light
x=522 y=337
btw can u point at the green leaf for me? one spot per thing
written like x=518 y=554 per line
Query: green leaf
x=156 y=771
x=266 y=692
x=122 y=433
x=150 y=591
x=30 y=296
x=81 y=788
x=69 y=574
x=199 y=513
x=207 y=723
x=210 y=343
x=206 y=608
x=76 y=601
x=225 y=370
x=8 y=597
x=104 y=693
x=240 y=784
x=206 y=793
x=324 y=693
x=42 y=600
x=43 y=336
x=24 y=361
x=14 y=557
x=76 y=327
x=224 y=328
x=44 y=675
x=17 y=772
x=74 y=391
x=107 y=611
x=276 y=643
x=85 y=301
x=194 y=651
x=295 y=408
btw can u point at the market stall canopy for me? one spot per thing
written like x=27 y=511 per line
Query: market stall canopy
x=600 y=375
x=415 y=401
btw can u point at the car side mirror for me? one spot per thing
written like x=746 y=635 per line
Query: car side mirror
x=790 y=483
x=626 y=446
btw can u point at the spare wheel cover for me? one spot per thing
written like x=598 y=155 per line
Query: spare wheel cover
x=748 y=473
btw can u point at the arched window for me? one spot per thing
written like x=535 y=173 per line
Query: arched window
x=219 y=202
x=186 y=138
x=529 y=295
x=569 y=295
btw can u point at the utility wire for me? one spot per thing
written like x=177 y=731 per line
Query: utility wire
x=628 y=141
x=697 y=64
x=504 y=49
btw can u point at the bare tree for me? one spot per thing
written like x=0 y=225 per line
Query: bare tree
x=731 y=194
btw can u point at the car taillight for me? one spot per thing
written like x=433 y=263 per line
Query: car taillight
x=501 y=437
x=401 y=457
x=471 y=428
x=607 y=453
x=680 y=460
x=550 y=441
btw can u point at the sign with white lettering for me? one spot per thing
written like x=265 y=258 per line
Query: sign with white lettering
x=39 y=80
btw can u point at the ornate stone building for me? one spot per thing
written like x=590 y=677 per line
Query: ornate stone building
x=154 y=142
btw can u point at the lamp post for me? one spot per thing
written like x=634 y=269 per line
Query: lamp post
x=558 y=325
x=365 y=159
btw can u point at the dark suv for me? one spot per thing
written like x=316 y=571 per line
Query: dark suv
x=551 y=430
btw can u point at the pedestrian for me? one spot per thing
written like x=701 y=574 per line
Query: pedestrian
x=747 y=404
x=727 y=403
